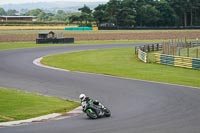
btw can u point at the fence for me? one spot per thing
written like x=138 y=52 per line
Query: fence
x=150 y=47
x=179 y=61
x=141 y=51
x=143 y=56
x=166 y=59
x=180 y=48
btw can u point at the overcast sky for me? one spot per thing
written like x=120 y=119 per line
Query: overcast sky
x=31 y=1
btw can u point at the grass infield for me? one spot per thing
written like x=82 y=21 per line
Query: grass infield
x=122 y=62
x=20 y=45
x=18 y=105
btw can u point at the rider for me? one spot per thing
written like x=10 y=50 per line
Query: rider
x=84 y=101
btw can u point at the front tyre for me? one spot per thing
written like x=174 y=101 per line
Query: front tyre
x=107 y=112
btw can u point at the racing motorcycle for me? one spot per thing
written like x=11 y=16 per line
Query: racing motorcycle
x=94 y=111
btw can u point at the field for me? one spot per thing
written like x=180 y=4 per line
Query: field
x=23 y=105
x=122 y=62
x=27 y=34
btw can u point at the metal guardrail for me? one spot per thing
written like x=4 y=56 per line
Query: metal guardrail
x=143 y=56
x=179 y=61
x=165 y=59
x=150 y=47
x=141 y=51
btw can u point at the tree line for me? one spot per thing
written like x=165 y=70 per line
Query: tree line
x=147 y=13
x=127 y=13
x=42 y=16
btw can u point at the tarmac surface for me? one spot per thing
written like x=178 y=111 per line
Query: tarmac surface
x=136 y=106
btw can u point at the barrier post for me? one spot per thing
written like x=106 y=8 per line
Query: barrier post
x=188 y=50
x=136 y=50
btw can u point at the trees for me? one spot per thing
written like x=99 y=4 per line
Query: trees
x=86 y=15
x=116 y=13
x=100 y=14
x=127 y=13
x=60 y=16
x=167 y=16
x=2 y=12
x=11 y=12
x=34 y=12
x=112 y=11
x=147 y=13
x=126 y=17
x=186 y=11
x=73 y=18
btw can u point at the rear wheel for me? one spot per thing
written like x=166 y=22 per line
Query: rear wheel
x=91 y=113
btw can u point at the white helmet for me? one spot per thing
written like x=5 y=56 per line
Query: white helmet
x=82 y=96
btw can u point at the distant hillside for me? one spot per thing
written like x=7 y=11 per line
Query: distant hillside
x=51 y=6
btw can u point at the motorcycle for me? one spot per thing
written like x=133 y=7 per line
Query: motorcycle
x=94 y=111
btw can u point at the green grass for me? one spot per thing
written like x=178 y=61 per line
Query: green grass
x=17 y=45
x=122 y=62
x=17 y=105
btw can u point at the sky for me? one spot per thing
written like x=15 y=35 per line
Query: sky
x=2 y=2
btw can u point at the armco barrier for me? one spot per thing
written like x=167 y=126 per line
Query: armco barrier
x=141 y=51
x=182 y=61
x=167 y=60
x=196 y=64
x=142 y=56
x=178 y=61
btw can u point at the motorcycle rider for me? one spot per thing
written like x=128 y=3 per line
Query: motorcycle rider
x=84 y=101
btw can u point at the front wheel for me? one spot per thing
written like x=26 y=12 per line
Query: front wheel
x=107 y=112
x=91 y=113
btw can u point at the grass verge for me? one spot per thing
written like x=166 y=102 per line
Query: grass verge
x=17 y=105
x=122 y=62
x=17 y=45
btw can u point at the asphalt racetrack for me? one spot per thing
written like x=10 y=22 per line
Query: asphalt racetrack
x=136 y=106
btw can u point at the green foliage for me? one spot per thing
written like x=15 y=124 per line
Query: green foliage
x=99 y=14
x=17 y=105
x=2 y=12
x=127 y=13
x=11 y=12
x=151 y=13
x=86 y=15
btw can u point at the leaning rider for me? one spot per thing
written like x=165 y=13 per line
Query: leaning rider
x=84 y=101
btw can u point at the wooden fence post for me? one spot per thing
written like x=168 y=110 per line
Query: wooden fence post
x=197 y=53
x=179 y=51
x=188 y=50
x=148 y=48
x=136 y=50
x=152 y=47
x=157 y=47
x=163 y=47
